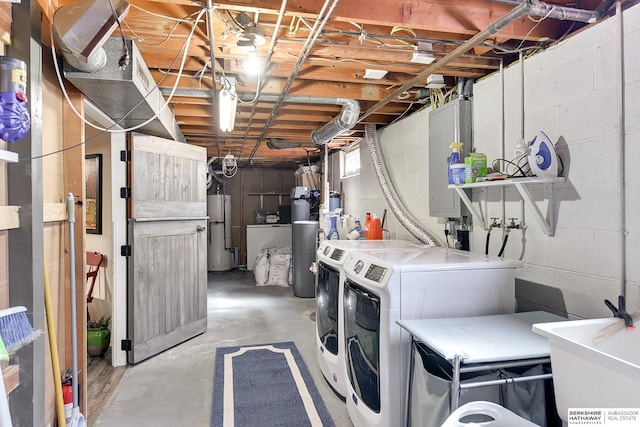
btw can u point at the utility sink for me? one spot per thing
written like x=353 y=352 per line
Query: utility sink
x=595 y=363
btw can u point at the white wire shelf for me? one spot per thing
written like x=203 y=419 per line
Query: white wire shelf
x=521 y=184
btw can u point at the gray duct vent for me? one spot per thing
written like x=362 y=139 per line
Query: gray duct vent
x=116 y=92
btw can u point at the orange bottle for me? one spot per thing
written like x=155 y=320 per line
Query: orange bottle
x=375 y=229
x=367 y=226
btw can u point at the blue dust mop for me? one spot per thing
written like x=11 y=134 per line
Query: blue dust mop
x=15 y=332
x=15 y=329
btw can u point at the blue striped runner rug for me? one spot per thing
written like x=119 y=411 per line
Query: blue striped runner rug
x=265 y=385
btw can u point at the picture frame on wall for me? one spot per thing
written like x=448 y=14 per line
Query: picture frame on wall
x=93 y=193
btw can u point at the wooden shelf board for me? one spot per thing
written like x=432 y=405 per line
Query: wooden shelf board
x=9 y=218
x=10 y=374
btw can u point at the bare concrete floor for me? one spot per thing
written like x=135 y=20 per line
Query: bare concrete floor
x=175 y=388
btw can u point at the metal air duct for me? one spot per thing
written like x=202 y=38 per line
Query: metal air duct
x=81 y=28
x=343 y=122
x=280 y=144
x=129 y=96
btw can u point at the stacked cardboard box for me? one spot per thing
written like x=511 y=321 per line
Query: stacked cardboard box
x=311 y=180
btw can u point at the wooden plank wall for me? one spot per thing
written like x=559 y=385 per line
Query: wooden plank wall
x=59 y=177
x=244 y=205
x=55 y=229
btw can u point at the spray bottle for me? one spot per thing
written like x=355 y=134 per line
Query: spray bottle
x=455 y=158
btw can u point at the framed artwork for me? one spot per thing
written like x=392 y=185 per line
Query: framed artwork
x=93 y=196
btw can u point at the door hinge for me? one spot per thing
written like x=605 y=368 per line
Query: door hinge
x=125 y=345
x=125 y=155
x=125 y=250
x=125 y=192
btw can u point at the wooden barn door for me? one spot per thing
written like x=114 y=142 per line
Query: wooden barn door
x=167 y=264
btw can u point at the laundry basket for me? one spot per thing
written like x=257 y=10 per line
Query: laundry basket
x=485 y=414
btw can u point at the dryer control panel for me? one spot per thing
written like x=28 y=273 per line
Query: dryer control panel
x=361 y=269
x=375 y=273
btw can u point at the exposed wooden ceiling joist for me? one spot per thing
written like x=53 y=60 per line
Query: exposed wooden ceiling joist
x=377 y=34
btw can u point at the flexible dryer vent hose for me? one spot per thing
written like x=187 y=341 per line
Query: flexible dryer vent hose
x=408 y=222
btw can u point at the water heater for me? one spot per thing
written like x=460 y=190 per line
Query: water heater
x=219 y=254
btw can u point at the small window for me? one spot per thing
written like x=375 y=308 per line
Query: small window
x=350 y=161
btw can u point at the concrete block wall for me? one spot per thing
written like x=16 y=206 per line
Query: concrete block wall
x=570 y=93
x=404 y=148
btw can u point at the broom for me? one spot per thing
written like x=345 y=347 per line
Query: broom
x=15 y=332
x=15 y=329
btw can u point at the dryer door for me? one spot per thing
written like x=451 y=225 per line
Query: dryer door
x=327 y=292
x=362 y=335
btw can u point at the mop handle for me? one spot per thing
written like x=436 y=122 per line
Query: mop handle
x=71 y=218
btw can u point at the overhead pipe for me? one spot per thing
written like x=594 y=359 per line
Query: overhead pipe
x=410 y=224
x=566 y=13
x=323 y=18
x=526 y=7
x=604 y=8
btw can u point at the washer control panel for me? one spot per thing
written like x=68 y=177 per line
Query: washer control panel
x=337 y=254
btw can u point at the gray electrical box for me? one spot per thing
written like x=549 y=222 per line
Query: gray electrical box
x=447 y=124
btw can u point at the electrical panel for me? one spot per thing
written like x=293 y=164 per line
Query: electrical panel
x=447 y=124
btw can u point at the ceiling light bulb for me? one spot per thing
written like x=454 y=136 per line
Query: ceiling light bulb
x=251 y=65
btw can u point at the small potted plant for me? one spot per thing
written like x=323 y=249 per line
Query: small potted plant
x=98 y=336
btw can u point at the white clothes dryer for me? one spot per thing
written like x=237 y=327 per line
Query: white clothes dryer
x=383 y=287
x=329 y=310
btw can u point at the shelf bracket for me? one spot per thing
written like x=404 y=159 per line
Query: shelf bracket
x=545 y=223
x=477 y=214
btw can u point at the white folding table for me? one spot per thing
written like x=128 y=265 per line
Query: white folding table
x=484 y=343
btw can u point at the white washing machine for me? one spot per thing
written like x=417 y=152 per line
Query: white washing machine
x=329 y=310
x=383 y=287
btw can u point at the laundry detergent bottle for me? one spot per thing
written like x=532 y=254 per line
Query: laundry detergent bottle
x=333 y=232
x=454 y=158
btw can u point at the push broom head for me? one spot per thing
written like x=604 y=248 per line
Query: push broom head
x=15 y=329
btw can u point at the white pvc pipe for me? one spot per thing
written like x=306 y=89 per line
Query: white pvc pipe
x=522 y=223
x=77 y=419
x=71 y=218
x=502 y=144
x=621 y=148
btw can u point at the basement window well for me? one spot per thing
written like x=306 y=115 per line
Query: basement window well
x=350 y=161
